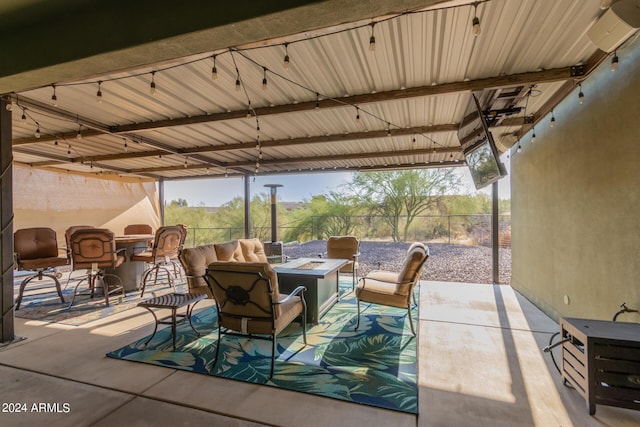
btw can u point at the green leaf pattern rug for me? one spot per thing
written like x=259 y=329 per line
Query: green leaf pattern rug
x=375 y=365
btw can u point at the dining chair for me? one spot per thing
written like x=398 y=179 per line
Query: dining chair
x=36 y=250
x=394 y=289
x=67 y=238
x=345 y=247
x=138 y=229
x=249 y=302
x=163 y=254
x=94 y=250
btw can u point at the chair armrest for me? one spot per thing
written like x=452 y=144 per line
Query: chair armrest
x=393 y=282
x=121 y=251
x=355 y=256
x=16 y=261
x=299 y=290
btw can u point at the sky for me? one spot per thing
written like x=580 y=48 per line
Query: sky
x=295 y=188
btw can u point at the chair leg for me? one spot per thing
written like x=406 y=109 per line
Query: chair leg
x=358 y=318
x=413 y=331
x=273 y=353
x=39 y=276
x=218 y=344
x=22 y=286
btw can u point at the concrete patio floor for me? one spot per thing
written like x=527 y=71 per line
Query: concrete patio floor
x=480 y=364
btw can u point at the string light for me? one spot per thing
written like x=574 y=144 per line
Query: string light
x=79 y=134
x=317 y=100
x=69 y=149
x=24 y=114
x=152 y=85
x=519 y=148
x=125 y=144
x=552 y=123
x=214 y=70
x=264 y=78
x=54 y=98
x=533 y=136
x=237 y=80
x=55 y=142
x=99 y=93
x=37 y=134
x=614 y=61
x=186 y=162
x=372 y=39
x=388 y=129
x=249 y=110
x=226 y=172
x=580 y=94
x=476 y=20
x=286 y=60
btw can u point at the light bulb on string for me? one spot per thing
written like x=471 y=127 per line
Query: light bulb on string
x=552 y=123
x=533 y=136
x=476 y=21
x=519 y=148
x=249 y=110
x=285 y=62
x=226 y=172
x=126 y=146
x=37 y=134
x=264 y=78
x=152 y=85
x=55 y=142
x=79 y=134
x=24 y=115
x=214 y=69
x=372 y=39
x=69 y=149
x=237 y=80
x=186 y=162
x=99 y=93
x=388 y=129
x=580 y=94
x=317 y=100
x=614 y=62
x=54 y=98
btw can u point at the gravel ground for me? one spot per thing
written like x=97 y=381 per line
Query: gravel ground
x=447 y=263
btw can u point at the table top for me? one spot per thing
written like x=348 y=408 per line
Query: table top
x=174 y=300
x=129 y=238
x=318 y=267
x=608 y=329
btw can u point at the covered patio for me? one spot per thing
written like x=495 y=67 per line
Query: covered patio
x=318 y=86
x=480 y=364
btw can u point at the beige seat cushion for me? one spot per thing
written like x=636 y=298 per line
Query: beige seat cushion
x=252 y=250
x=229 y=251
x=195 y=261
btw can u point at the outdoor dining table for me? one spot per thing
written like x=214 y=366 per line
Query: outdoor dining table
x=130 y=272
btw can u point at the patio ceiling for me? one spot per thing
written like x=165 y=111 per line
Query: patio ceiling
x=338 y=105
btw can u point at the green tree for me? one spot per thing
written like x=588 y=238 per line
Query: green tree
x=408 y=193
x=332 y=214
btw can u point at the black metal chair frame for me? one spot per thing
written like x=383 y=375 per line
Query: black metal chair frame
x=269 y=313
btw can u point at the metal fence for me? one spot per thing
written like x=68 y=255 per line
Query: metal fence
x=472 y=230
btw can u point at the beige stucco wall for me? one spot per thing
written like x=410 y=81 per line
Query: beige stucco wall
x=576 y=200
x=47 y=198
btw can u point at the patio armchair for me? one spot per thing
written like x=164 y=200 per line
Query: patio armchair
x=249 y=302
x=94 y=250
x=345 y=247
x=36 y=250
x=163 y=254
x=394 y=289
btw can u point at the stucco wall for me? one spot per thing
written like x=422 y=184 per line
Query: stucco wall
x=576 y=200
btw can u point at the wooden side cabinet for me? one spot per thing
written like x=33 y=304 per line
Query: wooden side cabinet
x=601 y=360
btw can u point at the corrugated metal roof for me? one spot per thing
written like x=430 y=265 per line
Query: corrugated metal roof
x=416 y=84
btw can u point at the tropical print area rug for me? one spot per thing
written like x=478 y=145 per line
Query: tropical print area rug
x=41 y=302
x=376 y=365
